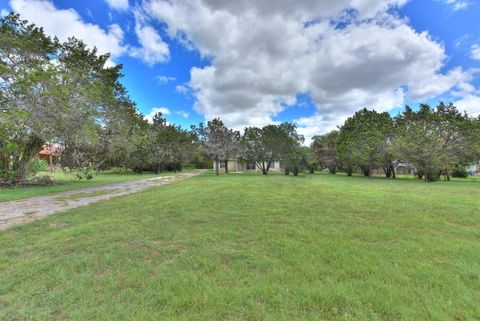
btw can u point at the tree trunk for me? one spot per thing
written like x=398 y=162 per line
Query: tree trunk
x=388 y=171
x=447 y=172
x=365 y=171
x=349 y=172
x=295 y=172
x=216 y=168
x=394 y=176
x=311 y=170
x=50 y=160
x=370 y=173
x=6 y=163
x=226 y=166
x=332 y=170
x=287 y=172
x=20 y=166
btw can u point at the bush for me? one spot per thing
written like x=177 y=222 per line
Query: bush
x=12 y=181
x=460 y=171
x=83 y=173
x=40 y=181
x=37 y=165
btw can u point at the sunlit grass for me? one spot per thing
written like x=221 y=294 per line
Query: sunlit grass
x=249 y=247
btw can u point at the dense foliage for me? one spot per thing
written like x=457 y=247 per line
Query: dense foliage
x=430 y=140
x=64 y=94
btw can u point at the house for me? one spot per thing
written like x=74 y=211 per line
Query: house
x=400 y=169
x=240 y=165
x=51 y=154
x=473 y=169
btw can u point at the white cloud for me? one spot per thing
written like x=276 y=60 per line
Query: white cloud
x=65 y=23
x=470 y=104
x=267 y=52
x=153 y=111
x=152 y=48
x=183 y=113
x=164 y=79
x=457 y=4
x=475 y=53
x=118 y=4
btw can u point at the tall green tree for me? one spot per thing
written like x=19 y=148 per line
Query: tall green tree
x=57 y=93
x=219 y=142
x=435 y=139
x=362 y=140
x=324 y=149
x=268 y=144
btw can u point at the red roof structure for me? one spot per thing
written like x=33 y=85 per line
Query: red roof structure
x=50 y=150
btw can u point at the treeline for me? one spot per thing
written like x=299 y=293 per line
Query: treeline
x=430 y=141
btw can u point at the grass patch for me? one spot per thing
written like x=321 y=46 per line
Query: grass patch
x=67 y=182
x=248 y=247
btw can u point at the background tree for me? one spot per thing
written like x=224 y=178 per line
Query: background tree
x=218 y=141
x=435 y=139
x=268 y=144
x=57 y=93
x=296 y=160
x=324 y=150
x=363 y=138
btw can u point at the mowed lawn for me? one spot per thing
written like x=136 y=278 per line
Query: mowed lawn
x=66 y=182
x=248 y=247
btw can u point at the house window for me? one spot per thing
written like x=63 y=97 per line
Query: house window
x=221 y=164
x=251 y=165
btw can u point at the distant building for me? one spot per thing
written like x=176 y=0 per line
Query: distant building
x=473 y=169
x=51 y=154
x=400 y=169
x=239 y=165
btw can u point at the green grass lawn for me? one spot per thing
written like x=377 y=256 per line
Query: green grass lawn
x=67 y=182
x=248 y=247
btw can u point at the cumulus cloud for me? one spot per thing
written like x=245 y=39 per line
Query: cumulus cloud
x=152 y=48
x=153 y=111
x=469 y=103
x=118 y=4
x=65 y=23
x=346 y=55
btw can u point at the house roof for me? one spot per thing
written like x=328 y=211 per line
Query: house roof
x=50 y=150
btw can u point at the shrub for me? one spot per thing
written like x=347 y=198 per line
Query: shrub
x=83 y=173
x=460 y=171
x=40 y=180
x=37 y=165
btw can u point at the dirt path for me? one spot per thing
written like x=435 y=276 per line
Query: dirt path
x=30 y=209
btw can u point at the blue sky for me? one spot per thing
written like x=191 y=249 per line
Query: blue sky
x=252 y=63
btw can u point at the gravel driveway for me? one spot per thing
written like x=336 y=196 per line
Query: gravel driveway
x=34 y=208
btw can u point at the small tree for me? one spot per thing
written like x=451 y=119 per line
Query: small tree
x=296 y=160
x=219 y=142
x=434 y=139
x=268 y=144
x=363 y=139
x=324 y=149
